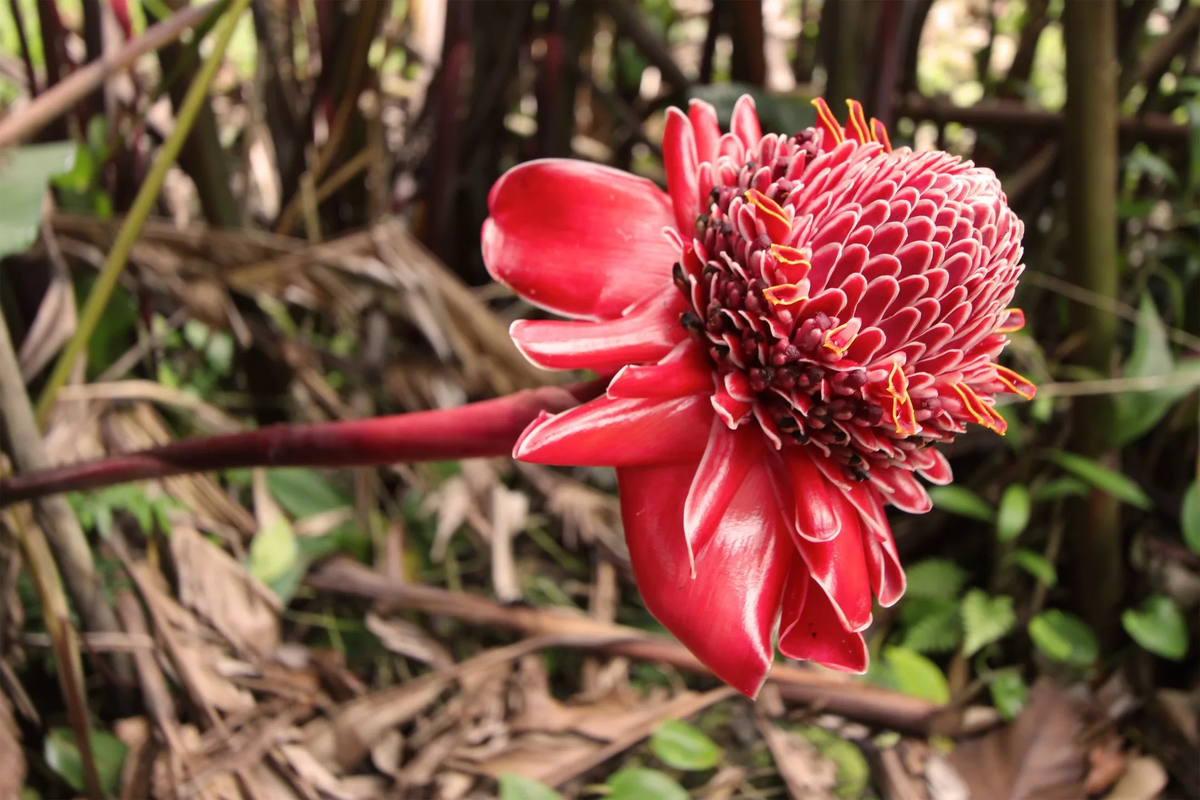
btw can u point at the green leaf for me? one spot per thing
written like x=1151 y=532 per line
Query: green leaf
x=935 y=577
x=61 y=751
x=1013 y=516
x=1035 y=564
x=985 y=620
x=303 y=492
x=1136 y=413
x=276 y=560
x=24 y=173
x=962 y=501
x=682 y=746
x=1009 y=693
x=1189 y=517
x=931 y=624
x=1158 y=627
x=853 y=771
x=518 y=787
x=639 y=783
x=1064 y=486
x=1064 y=637
x=1103 y=478
x=915 y=675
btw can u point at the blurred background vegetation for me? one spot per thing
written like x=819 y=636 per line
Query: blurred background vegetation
x=313 y=254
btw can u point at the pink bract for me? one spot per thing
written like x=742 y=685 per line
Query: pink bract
x=788 y=331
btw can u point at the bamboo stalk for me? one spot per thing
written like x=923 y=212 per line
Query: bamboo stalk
x=148 y=193
x=1090 y=150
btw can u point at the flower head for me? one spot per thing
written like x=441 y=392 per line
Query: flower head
x=788 y=331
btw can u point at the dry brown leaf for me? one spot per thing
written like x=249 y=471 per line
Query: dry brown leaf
x=409 y=640
x=214 y=585
x=805 y=771
x=509 y=513
x=195 y=658
x=898 y=782
x=359 y=725
x=1182 y=710
x=1038 y=755
x=12 y=759
x=1144 y=779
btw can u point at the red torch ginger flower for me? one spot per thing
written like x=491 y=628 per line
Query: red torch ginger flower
x=788 y=330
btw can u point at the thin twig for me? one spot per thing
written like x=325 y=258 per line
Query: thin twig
x=839 y=695
x=1113 y=306
x=189 y=109
x=57 y=101
x=1149 y=383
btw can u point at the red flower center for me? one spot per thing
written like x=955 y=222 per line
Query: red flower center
x=797 y=351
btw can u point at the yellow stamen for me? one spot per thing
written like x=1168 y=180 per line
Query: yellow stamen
x=903 y=412
x=789 y=255
x=828 y=121
x=881 y=134
x=858 y=121
x=833 y=337
x=784 y=294
x=1017 y=384
x=979 y=410
x=1013 y=320
x=768 y=206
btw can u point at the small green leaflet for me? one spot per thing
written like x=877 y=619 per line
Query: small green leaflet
x=1103 y=478
x=962 y=501
x=985 y=620
x=682 y=746
x=1159 y=627
x=1064 y=637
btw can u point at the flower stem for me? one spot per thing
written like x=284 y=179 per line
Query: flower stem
x=486 y=429
x=196 y=97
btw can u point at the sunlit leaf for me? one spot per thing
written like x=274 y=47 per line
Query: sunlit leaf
x=61 y=751
x=1159 y=627
x=985 y=620
x=303 y=492
x=1063 y=486
x=682 y=746
x=915 y=675
x=1009 y=693
x=1189 y=517
x=962 y=501
x=518 y=787
x=1035 y=564
x=1064 y=637
x=639 y=783
x=1013 y=515
x=24 y=174
x=1103 y=478
x=935 y=577
x=1136 y=413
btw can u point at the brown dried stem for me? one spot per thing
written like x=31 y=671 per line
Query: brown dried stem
x=54 y=102
x=858 y=700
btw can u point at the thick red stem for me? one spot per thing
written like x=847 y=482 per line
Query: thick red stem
x=485 y=429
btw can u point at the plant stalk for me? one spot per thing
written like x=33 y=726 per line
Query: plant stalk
x=485 y=429
x=196 y=98
x=1090 y=152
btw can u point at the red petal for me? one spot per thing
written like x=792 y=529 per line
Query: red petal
x=679 y=158
x=727 y=460
x=644 y=335
x=816 y=515
x=726 y=614
x=814 y=632
x=901 y=489
x=883 y=565
x=839 y=565
x=708 y=132
x=578 y=238
x=744 y=123
x=685 y=371
x=604 y=433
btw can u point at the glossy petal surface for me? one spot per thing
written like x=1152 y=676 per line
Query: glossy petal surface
x=577 y=238
x=725 y=615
